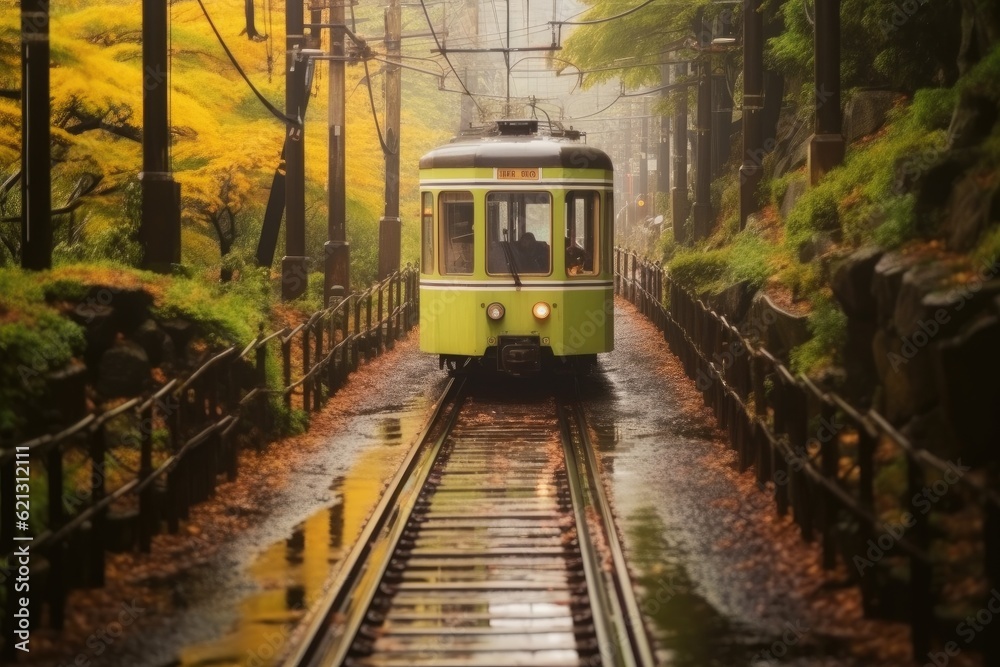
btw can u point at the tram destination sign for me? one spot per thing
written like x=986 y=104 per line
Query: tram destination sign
x=532 y=174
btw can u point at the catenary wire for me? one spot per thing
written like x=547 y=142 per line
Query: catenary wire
x=430 y=25
x=607 y=18
x=294 y=122
x=386 y=150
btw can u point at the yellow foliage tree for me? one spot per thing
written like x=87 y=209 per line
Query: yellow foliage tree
x=225 y=144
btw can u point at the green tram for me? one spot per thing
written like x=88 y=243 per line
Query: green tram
x=516 y=250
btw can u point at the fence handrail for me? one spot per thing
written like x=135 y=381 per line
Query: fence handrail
x=211 y=404
x=776 y=439
x=211 y=363
x=875 y=420
x=94 y=420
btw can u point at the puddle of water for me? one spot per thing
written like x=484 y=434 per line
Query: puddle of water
x=689 y=630
x=289 y=576
x=703 y=602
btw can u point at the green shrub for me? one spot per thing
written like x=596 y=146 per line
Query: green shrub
x=899 y=223
x=814 y=212
x=828 y=326
x=227 y=313
x=34 y=341
x=748 y=258
x=988 y=248
x=779 y=186
x=931 y=109
x=983 y=80
x=699 y=270
x=752 y=258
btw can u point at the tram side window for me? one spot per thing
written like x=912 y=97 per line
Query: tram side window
x=519 y=230
x=427 y=229
x=583 y=214
x=457 y=232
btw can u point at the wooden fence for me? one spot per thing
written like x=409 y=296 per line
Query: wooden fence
x=823 y=460
x=199 y=418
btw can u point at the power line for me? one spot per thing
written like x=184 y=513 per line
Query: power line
x=589 y=115
x=496 y=19
x=294 y=122
x=607 y=18
x=430 y=25
x=386 y=150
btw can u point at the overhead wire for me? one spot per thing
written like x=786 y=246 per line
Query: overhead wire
x=430 y=25
x=515 y=32
x=607 y=18
x=590 y=115
x=524 y=31
x=294 y=122
x=496 y=19
x=386 y=150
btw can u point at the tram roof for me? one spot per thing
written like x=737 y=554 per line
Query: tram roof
x=517 y=150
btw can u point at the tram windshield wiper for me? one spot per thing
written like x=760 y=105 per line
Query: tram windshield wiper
x=508 y=255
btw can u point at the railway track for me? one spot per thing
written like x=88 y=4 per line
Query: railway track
x=493 y=545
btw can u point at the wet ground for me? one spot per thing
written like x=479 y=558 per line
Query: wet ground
x=718 y=588
x=706 y=565
x=289 y=574
x=239 y=608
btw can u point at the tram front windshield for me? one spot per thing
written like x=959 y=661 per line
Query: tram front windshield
x=524 y=221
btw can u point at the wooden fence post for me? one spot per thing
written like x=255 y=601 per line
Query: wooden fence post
x=264 y=408
x=317 y=378
x=866 y=496
x=286 y=362
x=392 y=326
x=57 y=582
x=829 y=463
x=357 y=333
x=397 y=309
x=98 y=489
x=383 y=322
x=921 y=594
x=147 y=512
x=991 y=553
x=370 y=353
x=306 y=365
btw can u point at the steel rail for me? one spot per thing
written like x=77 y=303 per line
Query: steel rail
x=625 y=640
x=602 y=607
x=504 y=544
x=325 y=643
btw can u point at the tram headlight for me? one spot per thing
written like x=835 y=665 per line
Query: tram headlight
x=541 y=310
x=495 y=311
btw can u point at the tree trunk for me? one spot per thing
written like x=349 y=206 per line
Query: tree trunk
x=251 y=29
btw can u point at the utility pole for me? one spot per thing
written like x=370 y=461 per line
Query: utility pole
x=722 y=123
x=389 y=225
x=679 y=195
x=703 y=164
x=630 y=179
x=643 y=163
x=315 y=38
x=663 y=149
x=753 y=105
x=338 y=251
x=294 y=274
x=36 y=178
x=160 y=230
x=826 y=146
x=506 y=60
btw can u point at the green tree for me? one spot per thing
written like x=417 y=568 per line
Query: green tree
x=887 y=43
x=637 y=42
